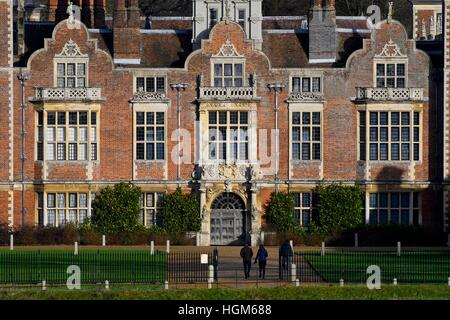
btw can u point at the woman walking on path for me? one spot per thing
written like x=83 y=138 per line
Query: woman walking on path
x=261 y=256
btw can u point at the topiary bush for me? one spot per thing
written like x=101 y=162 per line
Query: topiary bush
x=181 y=212
x=279 y=211
x=116 y=209
x=339 y=207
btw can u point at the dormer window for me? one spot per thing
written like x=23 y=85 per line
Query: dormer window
x=71 y=67
x=228 y=74
x=213 y=17
x=391 y=75
x=71 y=75
x=241 y=18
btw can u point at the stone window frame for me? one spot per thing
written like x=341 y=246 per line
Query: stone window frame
x=228 y=141
x=390 y=108
x=154 y=107
x=156 y=207
x=412 y=208
x=306 y=74
x=299 y=207
x=67 y=208
x=146 y=77
x=228 y=60
x=301 y=77
x=386 y=61
x=306 y=107
x=68 y=108
x=76 y=61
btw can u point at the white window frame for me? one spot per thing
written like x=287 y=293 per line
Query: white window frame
x=66 y=209
x=156 y=207
x=385 y=62
x=65 y=61
x=389 y=127
x=227 y=140
x=148 y=76
x=233 y=62
x=301 y=208
x=389 y=209
x=91 y=131
x=154 y=107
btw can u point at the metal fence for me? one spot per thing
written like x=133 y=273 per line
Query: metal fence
x=190 y=267
x=406 y=266
x=96 y=266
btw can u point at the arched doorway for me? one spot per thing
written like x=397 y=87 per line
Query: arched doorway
x=227 y=219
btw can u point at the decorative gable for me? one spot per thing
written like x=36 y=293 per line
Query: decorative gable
x=391 y=50
x=228 y=51
x=71 y=50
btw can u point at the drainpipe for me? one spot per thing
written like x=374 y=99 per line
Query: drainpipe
x=277 y=87
x=179 y=87
x=23 y=77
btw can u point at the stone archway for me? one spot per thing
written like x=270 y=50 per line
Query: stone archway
x=228 y=219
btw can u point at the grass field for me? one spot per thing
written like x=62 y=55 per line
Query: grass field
x=96 y=266
x=414 y=292
x=409 y=267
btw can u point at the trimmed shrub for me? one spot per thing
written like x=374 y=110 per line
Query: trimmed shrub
x=181 y=212
x=280 y=210
x=116 y=209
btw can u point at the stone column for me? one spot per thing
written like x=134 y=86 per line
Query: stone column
x=255 y=216
x=205 y=238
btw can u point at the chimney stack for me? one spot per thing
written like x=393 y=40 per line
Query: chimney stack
x=322 y=32
x=99 y=13
x=126 y=31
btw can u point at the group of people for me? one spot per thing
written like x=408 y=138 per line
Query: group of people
x=261 y=257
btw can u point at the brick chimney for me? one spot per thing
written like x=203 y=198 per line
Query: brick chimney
x=126 y=29
x=87 y=13
x=99 y=13
x=322 y=32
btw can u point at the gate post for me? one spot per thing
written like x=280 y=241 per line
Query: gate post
x=216 y=263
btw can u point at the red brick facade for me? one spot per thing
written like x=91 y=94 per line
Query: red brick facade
x=338 y=103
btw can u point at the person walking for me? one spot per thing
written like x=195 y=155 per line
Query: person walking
x=286 y=255
x=247 y=255
x=261 y=256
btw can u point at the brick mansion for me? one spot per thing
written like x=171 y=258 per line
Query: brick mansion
x=229 y=104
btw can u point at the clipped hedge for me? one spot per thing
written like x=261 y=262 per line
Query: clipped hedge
x=86 y=235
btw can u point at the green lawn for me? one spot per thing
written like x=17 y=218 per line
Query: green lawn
x=416 y=292
x=96 y=266
x=409 y=267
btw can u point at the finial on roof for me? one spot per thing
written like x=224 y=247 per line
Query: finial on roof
x=227 y=11
x=391 y=10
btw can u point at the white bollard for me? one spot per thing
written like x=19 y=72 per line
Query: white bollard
x=322 y=251
x=297 y=283
x=11 y=242
x=356 y=240
x=75 y=250
x=399 y=249
x=168 y=246
x=107 y=285
x=449 y=281
x=152 y=247
x=209 y=284
x=293 y=273
x=166 y=285
x=44 y=285
x=395 y=282
x=211 y=273
x=103 y=241
x=341 y=282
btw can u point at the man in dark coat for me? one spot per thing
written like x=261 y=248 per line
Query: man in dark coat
x=286 y=254
x=247 y=255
